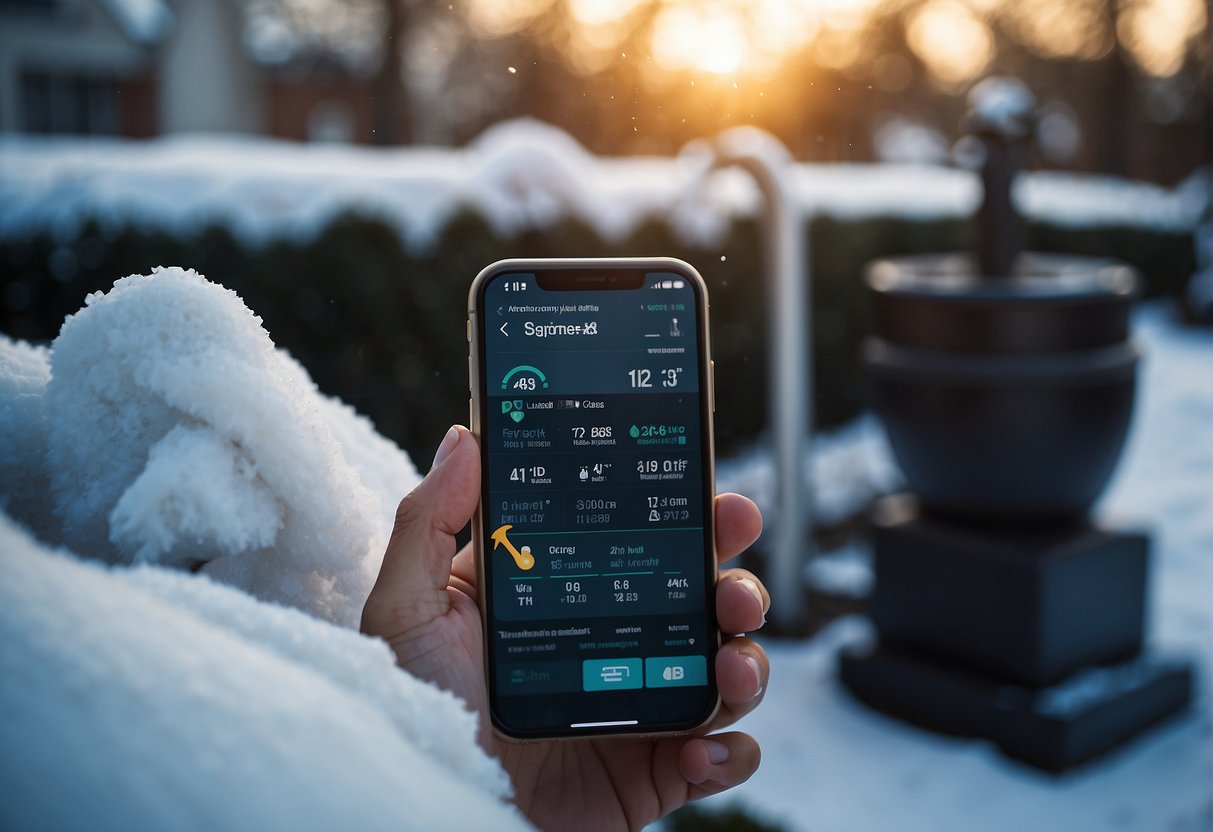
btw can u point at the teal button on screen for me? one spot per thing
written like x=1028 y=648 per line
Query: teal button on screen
x=675 y=671
x=611 y=674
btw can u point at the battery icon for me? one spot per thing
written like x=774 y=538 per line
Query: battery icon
x=678 y=284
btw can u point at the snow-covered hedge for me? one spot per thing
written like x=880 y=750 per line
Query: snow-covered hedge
x=518 y=175
x=359 y=258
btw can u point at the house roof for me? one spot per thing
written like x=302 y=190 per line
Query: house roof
x=144 y=21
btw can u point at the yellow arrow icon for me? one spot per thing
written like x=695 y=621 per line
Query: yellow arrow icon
x=524 y=559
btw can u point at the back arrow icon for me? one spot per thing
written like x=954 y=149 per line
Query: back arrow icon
x=503 y=326
x=524 y=559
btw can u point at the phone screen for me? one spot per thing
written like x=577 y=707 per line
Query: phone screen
x=595 y=528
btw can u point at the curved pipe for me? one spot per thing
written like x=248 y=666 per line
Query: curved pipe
x=789 y=363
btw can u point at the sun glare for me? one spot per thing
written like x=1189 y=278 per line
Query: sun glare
x=1156 y=32
x=728 y=37
x=1062 y=30
x=951 y=40
x=688 y=38
x=602 y=12
x=491 y=18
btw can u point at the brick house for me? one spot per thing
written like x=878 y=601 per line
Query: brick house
x=142 y=68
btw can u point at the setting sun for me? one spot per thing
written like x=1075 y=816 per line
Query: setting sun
x=688 y=37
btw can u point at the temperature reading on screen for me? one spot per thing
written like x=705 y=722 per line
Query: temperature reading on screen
x=642 y=378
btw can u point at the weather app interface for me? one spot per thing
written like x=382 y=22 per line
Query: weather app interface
x=594 y=501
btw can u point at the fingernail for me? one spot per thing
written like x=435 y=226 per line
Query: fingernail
x=444 y=450
x=753 y=663
x=718 y=752
x=753 y=587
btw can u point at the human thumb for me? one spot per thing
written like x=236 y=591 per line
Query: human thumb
x=411 y=588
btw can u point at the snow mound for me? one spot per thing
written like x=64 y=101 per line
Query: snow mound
x=151 y=699
x=175 y=433
x=528 y=175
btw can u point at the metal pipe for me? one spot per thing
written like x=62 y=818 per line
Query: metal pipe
x=789 y=367
x=1002 y=117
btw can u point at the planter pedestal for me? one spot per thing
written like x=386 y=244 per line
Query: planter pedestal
x=1031 y=638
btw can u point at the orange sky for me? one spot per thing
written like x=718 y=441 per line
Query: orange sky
x=733 y=38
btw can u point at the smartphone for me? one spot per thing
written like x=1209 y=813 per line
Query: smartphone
x=592 y=400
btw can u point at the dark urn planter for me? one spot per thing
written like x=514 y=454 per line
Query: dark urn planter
x=1009 y=399
x=1007 y=402
x=1005 y=382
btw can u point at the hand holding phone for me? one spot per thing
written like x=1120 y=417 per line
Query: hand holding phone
x=424 y=606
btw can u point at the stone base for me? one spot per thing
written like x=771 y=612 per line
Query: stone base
x=1027 y=605
x=1053 y=728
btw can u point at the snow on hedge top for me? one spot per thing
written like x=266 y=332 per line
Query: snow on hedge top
x=150 y=699
x=1002 y=105
x=174 y=432
x=518 y=175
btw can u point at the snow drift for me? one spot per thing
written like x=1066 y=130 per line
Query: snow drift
x=147 y=698
x=164 y=427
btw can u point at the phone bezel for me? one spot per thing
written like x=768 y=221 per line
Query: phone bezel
x=477 y=417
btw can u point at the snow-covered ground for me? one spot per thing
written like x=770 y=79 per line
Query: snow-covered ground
x=829 y=763
x=517 y=175
x=146 y=697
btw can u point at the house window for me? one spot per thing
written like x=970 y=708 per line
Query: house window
x=69 y=103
